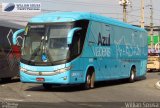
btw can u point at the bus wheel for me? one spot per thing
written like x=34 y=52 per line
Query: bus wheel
x=89 y=80
x=132 y=75
x=47 y=86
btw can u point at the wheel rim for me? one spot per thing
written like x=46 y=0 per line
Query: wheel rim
x=92 y=80
x=88 y=81
x=132 y=75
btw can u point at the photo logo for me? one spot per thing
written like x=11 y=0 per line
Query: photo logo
x=21 y=7
x=9 y=7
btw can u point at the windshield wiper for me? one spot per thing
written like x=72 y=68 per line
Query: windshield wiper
x=46 y=55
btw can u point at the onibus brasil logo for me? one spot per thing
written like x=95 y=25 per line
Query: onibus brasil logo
x=9 y=7
x=21 y=7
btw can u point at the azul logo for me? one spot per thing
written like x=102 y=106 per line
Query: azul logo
x=44 y=57
x=103 y=40
x=9 y=7
x=100 y=50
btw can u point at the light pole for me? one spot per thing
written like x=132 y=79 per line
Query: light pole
x=151 y=26
x=142 y=13
x=124 y=3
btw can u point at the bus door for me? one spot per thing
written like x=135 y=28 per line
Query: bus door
x=76 y=48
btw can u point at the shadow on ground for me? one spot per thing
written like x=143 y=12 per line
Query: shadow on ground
x=9 y=81
x=76 y=88
x=153 y=71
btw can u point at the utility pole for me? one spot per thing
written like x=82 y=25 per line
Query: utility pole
x=125 y=11
x=151 y=25
x=142 y=13
x=124 y=3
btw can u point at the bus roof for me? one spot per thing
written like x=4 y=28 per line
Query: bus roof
x=4 y=23
x=73 y=16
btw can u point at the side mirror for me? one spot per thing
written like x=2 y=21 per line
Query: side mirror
x=70 y=34
x=15 y=35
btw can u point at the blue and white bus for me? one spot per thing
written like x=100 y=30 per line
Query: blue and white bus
x=80 y=48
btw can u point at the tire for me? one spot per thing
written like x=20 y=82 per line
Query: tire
x=47 y=86
x=132 y=75
x=89 y=83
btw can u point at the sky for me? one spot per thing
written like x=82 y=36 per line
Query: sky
x=108 y=8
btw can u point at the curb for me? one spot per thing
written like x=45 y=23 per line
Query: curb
x=157 y=85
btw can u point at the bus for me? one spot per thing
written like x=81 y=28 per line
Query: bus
x=9 y=53
x=80 y=48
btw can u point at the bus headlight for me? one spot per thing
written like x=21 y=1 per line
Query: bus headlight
x=63 y=70
x=23 y=69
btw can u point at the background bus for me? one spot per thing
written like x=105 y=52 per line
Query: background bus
x=153 y=54
x=9 y=53
x=77 y=47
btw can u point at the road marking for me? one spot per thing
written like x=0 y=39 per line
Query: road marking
x=158 y=85
x=91 y=105
x=28 y=95
x=14 y=100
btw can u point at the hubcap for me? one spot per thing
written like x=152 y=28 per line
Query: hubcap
x=132 y=76
x=88 y=80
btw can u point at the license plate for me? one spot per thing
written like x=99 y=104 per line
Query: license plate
x=40 y=79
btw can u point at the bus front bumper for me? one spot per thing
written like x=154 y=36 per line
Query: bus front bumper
x=62 y=78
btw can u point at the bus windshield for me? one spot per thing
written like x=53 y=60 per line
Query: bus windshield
x=46 y=43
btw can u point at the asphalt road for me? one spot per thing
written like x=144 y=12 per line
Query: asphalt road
x=106 y=94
